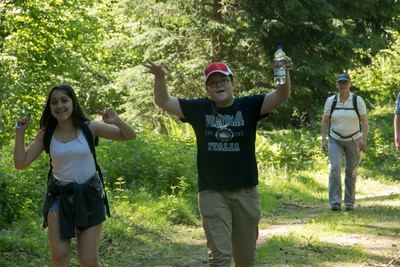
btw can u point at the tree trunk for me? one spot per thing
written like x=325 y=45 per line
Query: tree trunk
x=215 y=44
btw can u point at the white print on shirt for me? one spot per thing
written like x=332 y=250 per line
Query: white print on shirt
x=223 y=133
x=225 y=147
x=224 y=120
x=212 y=133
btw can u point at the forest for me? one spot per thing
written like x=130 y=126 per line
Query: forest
x=98 y=46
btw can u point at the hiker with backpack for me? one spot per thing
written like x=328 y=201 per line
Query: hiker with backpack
x=75 y=202
x=345 y=118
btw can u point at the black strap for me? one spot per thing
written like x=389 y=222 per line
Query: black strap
x=89 y=138
x=46 y=140
x=344 y=137
x=355 y=108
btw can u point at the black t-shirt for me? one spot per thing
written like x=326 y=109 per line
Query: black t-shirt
x=225 y=141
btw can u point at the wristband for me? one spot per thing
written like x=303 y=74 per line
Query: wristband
x=17 y=125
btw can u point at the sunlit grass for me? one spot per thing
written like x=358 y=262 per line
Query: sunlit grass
x=145 y=228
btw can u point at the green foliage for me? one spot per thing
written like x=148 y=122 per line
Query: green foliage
x=380 y=154
x=322 y=39
x=166 y=33
x=142 y=211
x=28 y=243
x=150 y=161
x=180 y=131
x=380 y=80
x=177 y=210
x=20 y=191
x=44 y=43
x=288 y=149
x=97 y=47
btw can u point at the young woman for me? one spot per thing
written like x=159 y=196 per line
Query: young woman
x=74 y=201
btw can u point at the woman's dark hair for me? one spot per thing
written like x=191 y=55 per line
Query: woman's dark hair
x=48 y=122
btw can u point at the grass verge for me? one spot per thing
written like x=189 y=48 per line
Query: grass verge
x=297 y=228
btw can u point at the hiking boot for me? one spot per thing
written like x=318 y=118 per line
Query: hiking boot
x=349 y=208
x=335 y=207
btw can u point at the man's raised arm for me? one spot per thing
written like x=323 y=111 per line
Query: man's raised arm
x=161 y=97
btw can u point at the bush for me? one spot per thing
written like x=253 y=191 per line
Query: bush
x=21 y=190
x=381 y=154
x=298 y=149
x=150 y=161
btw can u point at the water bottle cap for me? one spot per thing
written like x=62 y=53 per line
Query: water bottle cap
x=279 y=47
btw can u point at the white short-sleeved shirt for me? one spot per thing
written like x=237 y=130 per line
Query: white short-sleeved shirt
x=345 y=122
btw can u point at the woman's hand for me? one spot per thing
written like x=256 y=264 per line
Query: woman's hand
x=109 y=116
x=23 y=123
x=324 y=145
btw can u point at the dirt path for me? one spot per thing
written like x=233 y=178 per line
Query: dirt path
x=384 y=247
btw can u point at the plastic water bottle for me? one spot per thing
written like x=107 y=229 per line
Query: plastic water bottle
x=279 y=70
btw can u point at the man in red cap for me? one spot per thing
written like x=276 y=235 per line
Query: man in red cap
x=225 y=128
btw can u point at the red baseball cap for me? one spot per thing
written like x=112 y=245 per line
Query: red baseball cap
x=216 y=67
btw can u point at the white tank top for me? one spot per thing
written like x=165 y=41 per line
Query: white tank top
x=72 y=161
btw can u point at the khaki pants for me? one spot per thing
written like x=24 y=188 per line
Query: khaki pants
x=230 y=221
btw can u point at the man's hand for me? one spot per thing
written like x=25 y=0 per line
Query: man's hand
x=288 y=63
x=155 y=69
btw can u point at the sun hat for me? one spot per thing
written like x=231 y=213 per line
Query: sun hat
x=216 y=67
x=343 y=76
